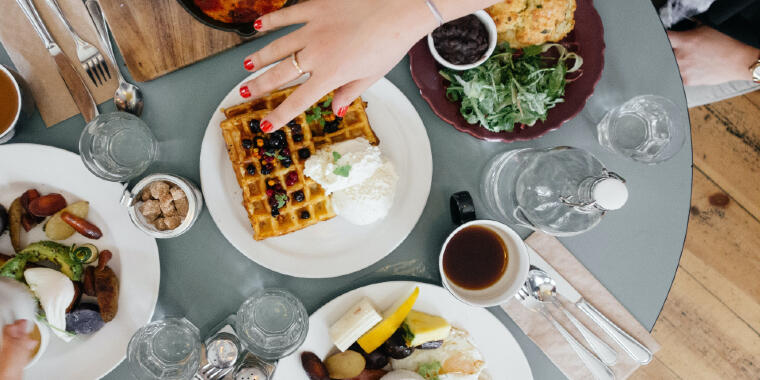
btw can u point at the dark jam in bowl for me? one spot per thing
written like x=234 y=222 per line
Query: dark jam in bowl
x=238 y=11
x=475 y=258
x=462 y=41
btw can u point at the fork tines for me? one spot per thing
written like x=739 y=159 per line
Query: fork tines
x=97 y=69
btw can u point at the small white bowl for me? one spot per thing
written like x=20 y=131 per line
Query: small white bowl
x=512 y=279
x=8 y=133
x=486 y=19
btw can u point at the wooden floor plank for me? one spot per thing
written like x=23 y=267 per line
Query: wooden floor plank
x=726 y=144
x=722 y=249
x=702 y=338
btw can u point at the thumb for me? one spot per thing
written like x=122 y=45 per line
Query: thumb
x=347 y=93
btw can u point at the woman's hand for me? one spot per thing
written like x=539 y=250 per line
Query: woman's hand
x=16 y=350
x=707 y=57
x=346 y=45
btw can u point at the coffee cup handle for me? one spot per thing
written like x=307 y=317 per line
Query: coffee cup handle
x=462 y=208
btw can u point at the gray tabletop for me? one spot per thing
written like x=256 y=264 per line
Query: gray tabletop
x=634 y=252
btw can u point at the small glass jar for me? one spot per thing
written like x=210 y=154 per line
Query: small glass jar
x=131 y=200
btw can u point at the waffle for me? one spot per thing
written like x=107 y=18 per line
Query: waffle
x=261 y=165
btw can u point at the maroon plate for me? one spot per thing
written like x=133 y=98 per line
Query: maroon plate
x=588 y=37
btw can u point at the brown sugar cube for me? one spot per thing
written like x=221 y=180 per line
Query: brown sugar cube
x=182 y=206
x=158 y=188
x=160 y=224
x=167 y=205
x=172 y=222
x=177 y=193
x=151 y=210
x=145 y=194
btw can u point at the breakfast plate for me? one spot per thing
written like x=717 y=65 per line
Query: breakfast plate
x=587 y=39
x=135 y=256
x=333 y=247
x=503 y=356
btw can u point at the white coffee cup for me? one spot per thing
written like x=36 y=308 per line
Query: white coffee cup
x=512 y=279
x=8 y=133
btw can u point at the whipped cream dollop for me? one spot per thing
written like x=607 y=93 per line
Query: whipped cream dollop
x=361 y=181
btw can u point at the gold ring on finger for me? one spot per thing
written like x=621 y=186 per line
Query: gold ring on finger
x=294 y=61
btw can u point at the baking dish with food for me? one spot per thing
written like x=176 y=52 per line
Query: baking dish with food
x=232 y=15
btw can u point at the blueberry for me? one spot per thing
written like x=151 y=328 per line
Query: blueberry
x=293 y=123
x=247 y=143
x=276 y=143
x=298 y=137
x=298 y=196
x=254 y=125
x=279 y=134
x=331 y=126
x=266 y=169
x=286 y=162
x=251 y=169
x=296 y=128
x=275 y=212
x=305 y=215
x=304 y=153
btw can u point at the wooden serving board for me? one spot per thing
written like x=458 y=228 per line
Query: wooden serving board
x=156 y=37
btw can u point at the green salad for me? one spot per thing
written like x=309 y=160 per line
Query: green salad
x=510 y=88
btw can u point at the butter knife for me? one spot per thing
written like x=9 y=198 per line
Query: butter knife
x=74 y=82
x=631 y=346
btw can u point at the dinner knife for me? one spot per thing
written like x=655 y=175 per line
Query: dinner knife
x=74 y=82
x=631 y=346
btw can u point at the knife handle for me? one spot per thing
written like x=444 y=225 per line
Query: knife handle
x=30 y=11
x=598 y=369
x=632 y=347
x=605 y=353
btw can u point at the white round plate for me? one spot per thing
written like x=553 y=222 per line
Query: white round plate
x=135 y=255
x=334 y=247
x=504 y=357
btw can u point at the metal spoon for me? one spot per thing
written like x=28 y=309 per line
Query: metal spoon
x=222 y=353
x=128 y=97
x=545 y=290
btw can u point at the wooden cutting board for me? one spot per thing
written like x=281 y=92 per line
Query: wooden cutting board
x=156 y=37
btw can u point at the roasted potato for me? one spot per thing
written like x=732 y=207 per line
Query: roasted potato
x=345 y=365
x=107 y=290
x=56 y=229
x=15 y=214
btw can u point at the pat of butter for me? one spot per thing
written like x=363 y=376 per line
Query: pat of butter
x=353 y=324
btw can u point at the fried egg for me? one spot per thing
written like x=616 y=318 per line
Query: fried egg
x=458 y=356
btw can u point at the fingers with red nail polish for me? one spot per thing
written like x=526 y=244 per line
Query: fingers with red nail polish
x=266 y=126
x=248 y=64
x=257 y=25
x=342 y=111
x=245 y=92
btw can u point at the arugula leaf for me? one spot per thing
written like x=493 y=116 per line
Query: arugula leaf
x=342 y=170
x=336 y=157
x=509 y=88
x=430 y=370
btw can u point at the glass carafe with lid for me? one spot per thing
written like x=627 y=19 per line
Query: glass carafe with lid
x=561 y=191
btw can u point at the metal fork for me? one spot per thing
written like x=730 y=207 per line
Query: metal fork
x=212 y=372
x=89 y=56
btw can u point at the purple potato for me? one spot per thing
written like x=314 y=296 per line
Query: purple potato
x=84 y=320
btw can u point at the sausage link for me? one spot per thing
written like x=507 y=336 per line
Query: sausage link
x=82 y=226
x=47 y=205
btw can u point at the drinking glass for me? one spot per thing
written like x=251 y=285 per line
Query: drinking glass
x=168 y=349
x=272 y=323
x=117 y=146
x=647 y=128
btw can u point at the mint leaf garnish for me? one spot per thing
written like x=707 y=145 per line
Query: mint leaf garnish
x=281 y=200
x=336 y=157
x=342 y=170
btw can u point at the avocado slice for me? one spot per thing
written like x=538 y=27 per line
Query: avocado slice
x=57 y=253
x=14 y=268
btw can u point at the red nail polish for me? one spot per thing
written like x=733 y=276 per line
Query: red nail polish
x=245 y=92
x=266 y=126
x=248 y=64
x=257 y=25
x=342 y=111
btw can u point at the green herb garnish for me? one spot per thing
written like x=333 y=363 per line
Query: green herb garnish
x=315 y=113
x=336 y=157
x=342 y=170
x=407 y=333
x=281 y=200
x=509 y=89
x=430 y=370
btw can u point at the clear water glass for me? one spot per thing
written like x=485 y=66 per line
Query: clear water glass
x=167 y=349
x=117 y=146
x=272 y=323
x=647 y=128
